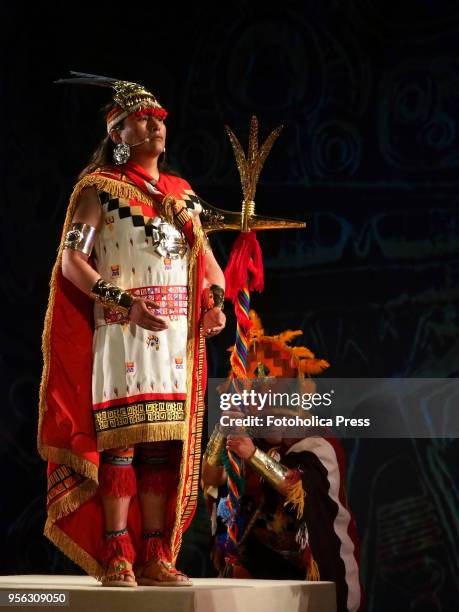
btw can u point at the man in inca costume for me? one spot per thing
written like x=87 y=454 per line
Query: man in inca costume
x=134 y=293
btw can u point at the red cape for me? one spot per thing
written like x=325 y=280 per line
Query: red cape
x=66 y=434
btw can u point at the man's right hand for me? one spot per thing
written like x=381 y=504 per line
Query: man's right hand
x=240 y=444
x=140 y=314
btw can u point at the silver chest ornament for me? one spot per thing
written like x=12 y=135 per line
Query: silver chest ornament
x=167 y=240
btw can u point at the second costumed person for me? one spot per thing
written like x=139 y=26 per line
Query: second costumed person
x=292 y=517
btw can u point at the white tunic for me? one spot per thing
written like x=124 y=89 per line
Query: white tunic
x=134 y=367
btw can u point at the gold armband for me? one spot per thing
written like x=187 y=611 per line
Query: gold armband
x=215 y=448
x=112 y=296
x=276 y=474
x=271 y=470
x=80 y=237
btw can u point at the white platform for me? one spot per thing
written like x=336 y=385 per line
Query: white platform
x=206 y=595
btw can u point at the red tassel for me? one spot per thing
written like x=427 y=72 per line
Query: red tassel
x=117 y=546
x=245 y=265
x=117 y=481
x=154 y=479
x=152 y=548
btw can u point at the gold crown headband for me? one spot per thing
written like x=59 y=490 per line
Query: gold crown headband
x=129 y=97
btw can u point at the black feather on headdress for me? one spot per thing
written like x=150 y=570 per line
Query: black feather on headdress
x=83 y=78
x=128 y=96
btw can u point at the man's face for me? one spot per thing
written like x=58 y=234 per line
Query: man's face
x=136 y=129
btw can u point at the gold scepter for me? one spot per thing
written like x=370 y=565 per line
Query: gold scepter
x=244 y=271
x=216 y=219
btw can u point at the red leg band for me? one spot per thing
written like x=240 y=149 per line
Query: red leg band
x=117 y=481
x=118 y=546
x=152 y=548
x=156 y=479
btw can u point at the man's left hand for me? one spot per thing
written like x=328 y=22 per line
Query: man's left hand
x=213 y=321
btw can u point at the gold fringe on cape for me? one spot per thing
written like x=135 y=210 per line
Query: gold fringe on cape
x=313 y=573
x=137 y=434
x=72 y=550
x=72 y=500
x=191 y=346
x=64 y=456
x=295 y=497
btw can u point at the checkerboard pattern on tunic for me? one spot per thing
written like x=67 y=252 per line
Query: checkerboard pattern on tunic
x=136 y=211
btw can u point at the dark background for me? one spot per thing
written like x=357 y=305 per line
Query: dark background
x=368 y=91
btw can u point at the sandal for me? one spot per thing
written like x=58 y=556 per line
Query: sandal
x=117 y=569
x=158 y=572
x=117 y=556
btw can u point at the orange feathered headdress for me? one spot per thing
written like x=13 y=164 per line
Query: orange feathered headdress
x=272 y=356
